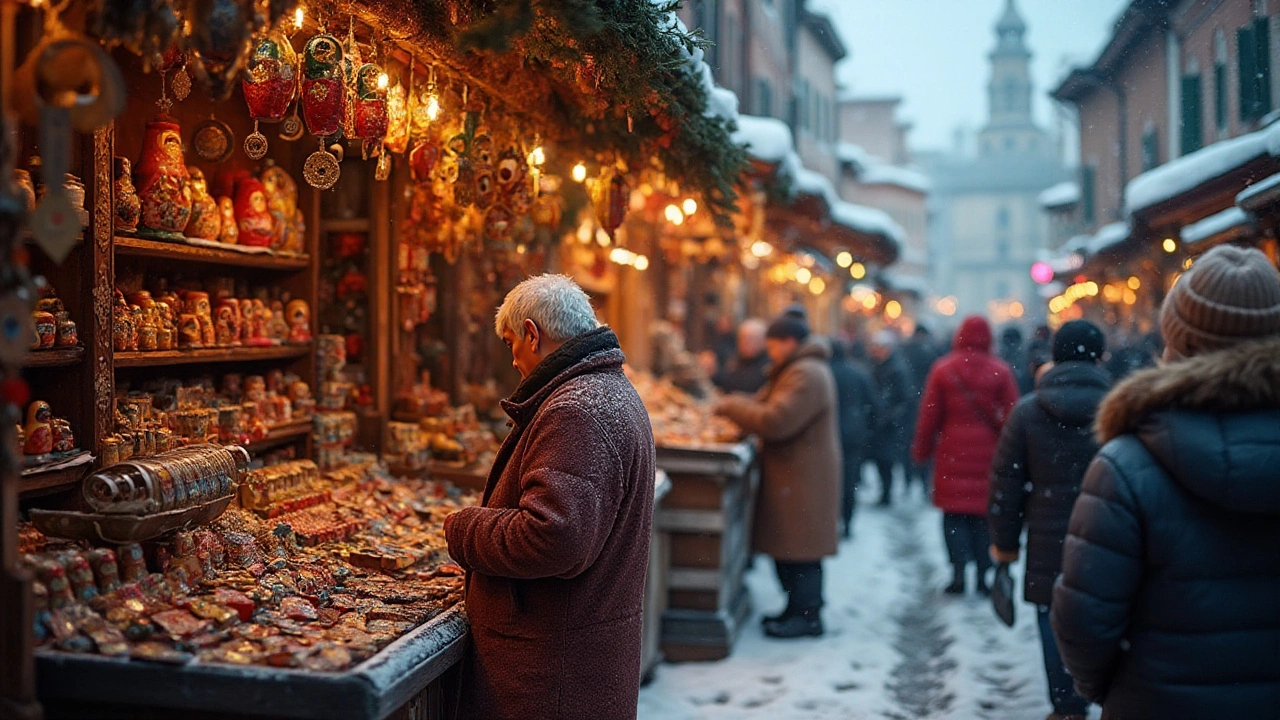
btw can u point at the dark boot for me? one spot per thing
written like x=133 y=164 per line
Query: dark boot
x=767 y=619
x=957 y=581
x=983 y=588
x=806 y=623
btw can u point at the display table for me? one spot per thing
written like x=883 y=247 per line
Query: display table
x=655 y=590
x=405 y=679
x=708 y=516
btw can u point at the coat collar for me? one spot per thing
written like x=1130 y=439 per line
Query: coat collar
x=816 y=347
x=1239 y=379
x=583 y=354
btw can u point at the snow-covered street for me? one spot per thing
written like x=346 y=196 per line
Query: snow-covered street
x=895 y=646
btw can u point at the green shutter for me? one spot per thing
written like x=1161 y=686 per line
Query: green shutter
x=1247 y=57
x=1192 y=114
x=1262 y=65
x=1220 y=96
x=1086 y=193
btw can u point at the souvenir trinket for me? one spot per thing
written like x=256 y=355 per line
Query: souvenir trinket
x=229 y=229
x=133 y=566
x=161 y=180
x=190 y=336
x=105 y=569
x=252 y=215
x=128 y=207
x=67 y=333
x=370 y=114
x=611 y=198
x=205 y=222
x=397 y=137
x=323 y=103
x=282 y=203
x=212 y=141
x=80 y=576
x=234 y=319
x=269 y=87
x=298 y=315
x=46 y=329
x=39 y=429
x=197 y=304
x=64 y=441
x=25 y=190
x=54 y=577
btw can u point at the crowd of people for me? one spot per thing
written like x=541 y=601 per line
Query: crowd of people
x=1142 y=476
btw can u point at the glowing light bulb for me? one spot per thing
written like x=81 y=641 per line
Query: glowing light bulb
x=433 y=107
x=858 y=271
x=1170 y=246
x=893 y=309
x=817 y=286
x=844 y=259
x=690 y=206
x=579 y=172
x=298 y=17
x=537 y=156
x=803 y=276
x=641 y=263
x=383 y=81
x=673 y=215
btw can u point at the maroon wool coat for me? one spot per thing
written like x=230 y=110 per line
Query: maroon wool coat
x=557 y=556
x=960 y=430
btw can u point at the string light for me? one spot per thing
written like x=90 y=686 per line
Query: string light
x=844 y=259
x=892 y=309
x=579 y=172
x=1170 y=246
x=690 y=206
x=383 y=81
x=641 y=263
x=858 y=271
x=298 y=17
x=673 y=215
x=817 y=286
x=433 y=107
x=803 y=276
x=537 y=156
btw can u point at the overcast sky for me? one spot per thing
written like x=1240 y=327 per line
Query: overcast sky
x=934 y=53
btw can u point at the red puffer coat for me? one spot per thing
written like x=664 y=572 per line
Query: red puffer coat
x=967 y=398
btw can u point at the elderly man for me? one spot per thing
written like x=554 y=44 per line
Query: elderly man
x=799 y=504
x=556 y=556
x=748 y=371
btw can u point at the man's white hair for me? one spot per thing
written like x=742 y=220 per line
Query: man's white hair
x=554 y=303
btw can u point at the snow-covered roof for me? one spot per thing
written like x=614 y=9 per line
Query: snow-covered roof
x=868 y=220
x=1255 y=193
x=722 y=103
x=1108 y=237
x=1078 y=243
x=1189 y=171
x=894 y=175
x=1060 y=195
x=852 y=153
x=811 y=182
x=1215 y=225
x=718 y=99
x=766 y=139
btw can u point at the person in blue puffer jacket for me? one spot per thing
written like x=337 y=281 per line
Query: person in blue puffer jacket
x=1169 y=601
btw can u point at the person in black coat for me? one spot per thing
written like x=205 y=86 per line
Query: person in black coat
x=1044 y=450
x=858 y=404
x=891 y=445
x=1169 y=601
x=919 y=353
x=747 y=371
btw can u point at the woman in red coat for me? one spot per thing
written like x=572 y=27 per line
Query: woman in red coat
x=967 y=397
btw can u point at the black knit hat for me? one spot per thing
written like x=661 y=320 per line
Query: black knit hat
x=1078 y=340
x=788 y=326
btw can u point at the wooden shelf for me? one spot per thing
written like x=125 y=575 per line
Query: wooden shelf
x=281 y=435
x=57 y=357
x=142 y=247
x=356 y=225
x=51 y=482
x=210 y=355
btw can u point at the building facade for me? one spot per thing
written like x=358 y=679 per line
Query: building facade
x=986 y=224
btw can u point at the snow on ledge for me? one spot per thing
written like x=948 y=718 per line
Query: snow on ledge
x=766 y=139
x=1214 y=225
x=1060 y=195
x=1265 y=186
x=1189 y=171
x=811 y=182
x=894 y=175
x=868 y=220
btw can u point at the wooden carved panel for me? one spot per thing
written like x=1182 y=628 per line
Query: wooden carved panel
x=99 y=345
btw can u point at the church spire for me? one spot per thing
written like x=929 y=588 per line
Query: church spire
x=1011 y=31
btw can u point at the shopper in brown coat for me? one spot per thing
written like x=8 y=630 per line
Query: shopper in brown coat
x=798 y=508
x=557 y=555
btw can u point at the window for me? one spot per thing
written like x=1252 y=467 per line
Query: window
x=1192 y=112
x=1087 y=207
x=1253 y=47
x=1150 y=146
x=1002 y=218
x=764 y=98
x=1220 y=82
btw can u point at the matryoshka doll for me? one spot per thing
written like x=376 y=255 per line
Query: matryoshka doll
x=282 y=203
x=64 y=441
x=197 y=304
x=298 y=315
x=251 y=212
x=105 y=570
x=371 y=103
x=229 y=231
x=269 y=86
x=233 y=307
x=205 y=222
x=39 y=429
x=323 y=96
x=160 y=178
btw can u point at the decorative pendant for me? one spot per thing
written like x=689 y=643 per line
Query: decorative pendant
x=291 y=128
x=212 y=140
x=182 y=84
x=323 y=94
x=370 y=104
x=383 y=169
x=255 y=144
x=321 y=170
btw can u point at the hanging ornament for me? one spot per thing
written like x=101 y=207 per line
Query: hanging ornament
x=610 y=198
x=397 y=137
x=498 y=223
x=269 y=87
x=352 y=62
x=323 y=103
x=292 y=128
x=423 y=159
x=472 y=154
x=370 y=104
x=212 y=140
x=382 y=171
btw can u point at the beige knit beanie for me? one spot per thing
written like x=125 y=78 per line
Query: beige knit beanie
x=1230 y=295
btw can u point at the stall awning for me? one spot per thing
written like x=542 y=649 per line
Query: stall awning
x=1261 y=194
x=1062 y=195
x=1225 y=226
x=766 y=139
x=871 y=221
x=1108 y=238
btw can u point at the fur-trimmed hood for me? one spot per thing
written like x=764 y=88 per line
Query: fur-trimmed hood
x=1212 y=422
x=1241 y=379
